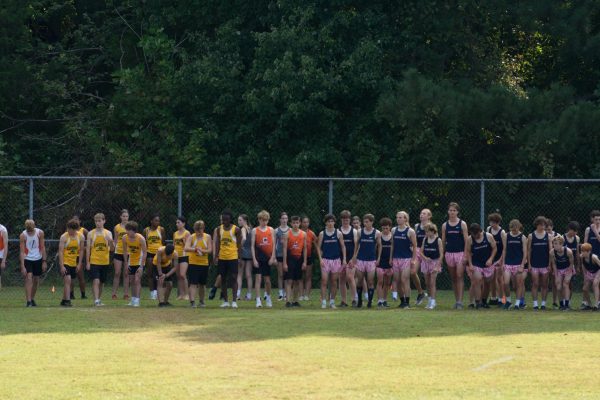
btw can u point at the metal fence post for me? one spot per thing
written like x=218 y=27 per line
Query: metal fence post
x=330 y=196
x=482 y=204
x=179 y=197
x=30 y=198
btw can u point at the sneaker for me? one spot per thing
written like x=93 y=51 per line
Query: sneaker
x=543 y=308
x=420 y=298
x=343 y=305
x=72 y=296
x=98 y=303
x=168 y=304
x=380 y=304
x=556 y=306
x=248 y=296
x=404 y=306
x=114 y=297
x=83 y=296
x=394 y=299
x=506 y=305
x=332 y=306
x=33 y=303
x=238 y=298
x=269 y=303
x=353 y=303
x=28 y=304
x=201 y=304
x=161 y=305
x=471 y=305
x=125 y=297
x=63 y=303
x=225 y=304
x=296 y=304
x=323 y=304
x=385 y=304
x=369 y=304
x=258 y=303
x=212 y=293
x=485 y=305
x=131 y=303
x=366 y=296
x=265 y=297
x=234 y=304
x=153 y=295
x=136 y=303
x=288 y=304
x=536 y=308
x=493 y=302
x=280 y=298
x=459 y=306
x=193 y=304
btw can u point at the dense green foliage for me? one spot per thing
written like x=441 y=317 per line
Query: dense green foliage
x=329 y=88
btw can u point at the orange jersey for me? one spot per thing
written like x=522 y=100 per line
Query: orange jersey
x=264 y=242
x=295 y=244
x=310 y=237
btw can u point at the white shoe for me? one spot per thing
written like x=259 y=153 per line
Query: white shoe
x=130 y=304
x=225 y=304
x=234 y=304
x=323 y=304
x=258 y=303
x=98 y=303
x=153 y=295
x=248 y=296
x=136 y=303
x=269 y=302
x=332 y=305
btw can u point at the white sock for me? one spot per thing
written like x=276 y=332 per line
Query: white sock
x=395 y=295
x=268 y=297
x=239 y=292
x=535 y=303
x=281 y=292
x=543 y=303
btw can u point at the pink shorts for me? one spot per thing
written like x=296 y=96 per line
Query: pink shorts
x=487 y=272
x=401 y=264
x=382 y=272
x=419 y=257
x=454 y=259
x=331 y=266
x=365 y=266
x=589 y=276
x=513 y=269
x=563 y=272
x=497 y=265
x=428 y=267
x=538 y=271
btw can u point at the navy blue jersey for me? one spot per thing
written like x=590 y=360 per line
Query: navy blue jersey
x=514 y=249
x=593 y=240
x=455 y=242
x=432 y=250
x=571 y=245
x=402 y=245
x=590 y=265
x=562 y=261
x=349 y=243
x=330 y=247
x=386 y=248
x=540 y=251
x=367 y=246
x=480 y=251
x=420 y=233
x=499 y=245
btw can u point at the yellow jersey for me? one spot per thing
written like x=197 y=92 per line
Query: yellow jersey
x=120 y=231
x=71 y=250
x=228 y=244
x=179 y=241
x=165 y=260
x=134 y=250
x=100 y=251
x=153 y=239
x=202 y=244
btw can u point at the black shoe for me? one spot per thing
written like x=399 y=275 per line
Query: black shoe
x=369 y=304
x=28 y=304
x=485 y=305
x=380 y=304
x=296 y=304
x=212 y=293
x=595 y=308
x=404 y=306
x=493 y=302
x=543 y=308
x=161 y=305
x=471 y=305
x=385 y=304
x=83 y=296
x=72 y=296
x=343 y=305
x=168 y=304
x=420 y=298
x=360 y=302
x=63 y=303
x=556 y=306
x=288 y=305
x=354 y=304
x=535 y=308
x=33 y=303
x=506 y=306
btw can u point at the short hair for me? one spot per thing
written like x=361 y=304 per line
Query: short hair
x=182 y=219
x=549 y=222
x=573 y=226
x=329 y=217
x=123 y=211
x=345 y=214
x=595 y=213
x=264 y=215
x=198 y=225
x=455 y=205
x=369 y=217
x=131 y=226
x=99 y=216
x=559 y=239
x=169 y=249
x=431 y=228
x=385 y=221
x=282 y=214
x=73 y=224
x=586 y=247
x=356 y=217
x=495 y=217
x=227 y=213
x=539 y=221
x=474 y=229
x=406 y=216
x=305 y=217
x=295 y=218
x=29 y=225
x=515 y=224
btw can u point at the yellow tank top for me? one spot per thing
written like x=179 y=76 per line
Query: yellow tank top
x=71 y=250
x=165 y=260
x=153 y=240
x=228 y=246
x=81 y=232
x=134 y=249
x=179 y=242
x=120 y=230
x=202 y=244
x=99 y=254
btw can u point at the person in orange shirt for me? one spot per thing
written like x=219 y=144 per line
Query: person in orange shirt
x=263 y=256
x=294 y=261
x=3 y=248
x=311 y=243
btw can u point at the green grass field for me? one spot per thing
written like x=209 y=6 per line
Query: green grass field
x=117 y=352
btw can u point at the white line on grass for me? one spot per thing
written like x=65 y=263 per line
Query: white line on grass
x=485 y=366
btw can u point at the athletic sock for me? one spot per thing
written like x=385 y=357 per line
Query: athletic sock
x=359 y=291
x=535 y=303
x=407 y=300
x=543 y=303
x=561 y=303
x=370 y=293
x=395 y=295
x=567 y=303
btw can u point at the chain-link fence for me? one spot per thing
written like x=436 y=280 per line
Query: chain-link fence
x=51 y=201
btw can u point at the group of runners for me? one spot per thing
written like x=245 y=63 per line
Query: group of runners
x=357 y=260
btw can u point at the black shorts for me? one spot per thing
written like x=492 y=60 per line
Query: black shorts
x=99 y=272
x=132 y=270
x=185 y=259
x=165 y=270
x=118 y=257
x=150 y=255
x=34 y=267
x=294 y=272
x=228 y=267
x=197 y=274
x=310 y=260
x=279 y=259
x=263 y=269
x=71 y=271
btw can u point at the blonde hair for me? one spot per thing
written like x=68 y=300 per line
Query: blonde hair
x=559 y=239
x=428 y=211
x=29 y=225
x=586 y=247
x=515 y=224
x=99 y=216
x=431 y=228
x=198 y=225
x=405 y=215
x=264 y=215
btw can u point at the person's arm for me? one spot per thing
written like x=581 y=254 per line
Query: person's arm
x=379 y=250
x=273 y=260
x=423 y=256
x=492 y=241
x=525 y=243
x=412 y=235
x=125 y=253
x=244 y=236
x=216 y=244
x=284 y=242
x=528 y=252
x=304 y=253
x=81 y=253
x=468 y=253
x=22 y=253
x=238 y=241
x=43 y=248
x=441 y=249
x=159 y=257
x=252 y=248
x=144 y=248
x=61 y=256
x=578 y=260
x=318 y=248
x=88 y=252
x=356 y=237
x=464 y=230
x=110 y=241
x=595 y=259
x=503 y=256
x=5 y=239
x=163 y=235
x=552 y=261
x=188 y=245
x=342 y=247
x=444 y=235
x=175 y=262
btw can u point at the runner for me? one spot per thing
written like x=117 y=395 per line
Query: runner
x=332 y=255
x=245 y=267
x=347 y=274
x=134 y=254
x=514 y=247
x=99 y=245
x=118 y=232
x=263 y=256
x=33 y=259
x=384 y=263
x=454 y=237
x=180 y=236
x=307 y=274
x=432 y=251
x=80 y=273
x=155 y=237
x=497 y=284
x=3 y=249
x=228 y=239
x=481 y=249
x=279 y=232
x=198 y=246
x=366 y=257
x=404 y=256
x=562 y=266
x=294 y=261
x=165 y=267
x=539 y=261
x=70 y=258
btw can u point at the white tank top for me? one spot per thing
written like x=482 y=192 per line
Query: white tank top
x=2 y=244
x=33 y=246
